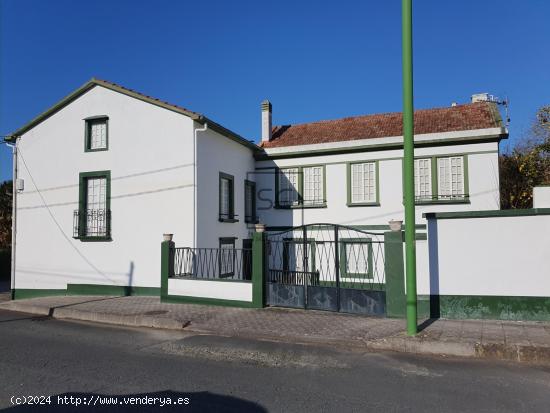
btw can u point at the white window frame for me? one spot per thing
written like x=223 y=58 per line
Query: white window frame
x=450 y=178
x=313 y=185
x=94 y=126
x=363 y=183
x=295 y=188
x=423 y=181
x=288 y=191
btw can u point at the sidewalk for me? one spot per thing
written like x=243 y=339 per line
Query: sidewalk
x=504 y=340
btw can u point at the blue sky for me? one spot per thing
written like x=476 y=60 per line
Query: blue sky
x=314 y=60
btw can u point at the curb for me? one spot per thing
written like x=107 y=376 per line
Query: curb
x=122 y=320
x=416 y=346
x=519 y=353
x=491 y=351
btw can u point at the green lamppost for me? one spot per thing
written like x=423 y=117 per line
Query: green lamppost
x=408 y=146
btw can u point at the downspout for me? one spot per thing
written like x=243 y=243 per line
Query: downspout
x=195 y=183
x=13 y=215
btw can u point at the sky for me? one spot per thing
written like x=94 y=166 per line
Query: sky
x=313 y=60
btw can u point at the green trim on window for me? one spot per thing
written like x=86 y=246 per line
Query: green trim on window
x=231 y=213
x=300 y=204
x=433 y=177
x=466 y=174
x=349 y=202
x=344 y=257
x=250 y=217
x=82 y=206
x=88 y=122
x=434 y=174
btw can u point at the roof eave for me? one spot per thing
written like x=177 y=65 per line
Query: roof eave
x=228 y=133
x=111 y=86
x=367 y=145
x=52 y=110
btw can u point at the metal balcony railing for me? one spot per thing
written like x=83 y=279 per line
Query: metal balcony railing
x=92 y=223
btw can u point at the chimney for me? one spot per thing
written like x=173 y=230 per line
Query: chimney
x=266 y=121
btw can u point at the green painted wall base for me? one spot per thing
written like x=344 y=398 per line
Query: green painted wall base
x=22 y=293
x=182 y=299
x=85 y=289
x=484 y=307
x=97 y=289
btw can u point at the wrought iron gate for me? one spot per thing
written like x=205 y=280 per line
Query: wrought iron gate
x=326 y=267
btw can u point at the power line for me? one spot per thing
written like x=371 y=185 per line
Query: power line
x=57 y=223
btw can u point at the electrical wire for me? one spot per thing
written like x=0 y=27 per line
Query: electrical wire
x=57 y=223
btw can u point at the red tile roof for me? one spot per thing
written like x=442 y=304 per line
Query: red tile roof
x=471 y=116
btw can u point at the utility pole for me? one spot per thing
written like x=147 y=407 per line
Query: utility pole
x=13 y=214
x=408 y=164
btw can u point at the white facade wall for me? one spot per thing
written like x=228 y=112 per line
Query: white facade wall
x=223 y=290
x=496 y=256
x=150 y=159
x=483 y=186
x=215 y=154
x=541 y=197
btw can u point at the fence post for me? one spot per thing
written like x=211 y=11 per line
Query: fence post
x=166 y=266
x=395 y=274
x=258 y=265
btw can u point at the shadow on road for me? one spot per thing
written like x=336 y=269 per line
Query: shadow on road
x=165 y=401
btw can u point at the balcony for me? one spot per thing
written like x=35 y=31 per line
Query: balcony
x=442 y=199
x=92 y=224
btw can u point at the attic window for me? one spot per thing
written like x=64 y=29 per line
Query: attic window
x=96 y=134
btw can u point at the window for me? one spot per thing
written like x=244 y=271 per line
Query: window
x=423 y=179
x=363 y=183
x=313 y=185
x=301 y=186
x=250 y=202
x=439 y=179
x=450 y=177
x=96 y=134
x=93 y=218
x=227 y=196
x=226 y=257
x=356 y=258
x=288 y=186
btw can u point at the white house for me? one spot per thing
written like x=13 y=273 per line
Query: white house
x=108 y=170
x=349 y=171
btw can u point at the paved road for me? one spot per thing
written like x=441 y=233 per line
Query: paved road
x=42 y=356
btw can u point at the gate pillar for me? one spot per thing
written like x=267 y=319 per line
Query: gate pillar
x=395 y=274
x=258 y=269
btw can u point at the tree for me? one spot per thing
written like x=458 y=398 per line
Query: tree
x=5 y=214
x=528 y=165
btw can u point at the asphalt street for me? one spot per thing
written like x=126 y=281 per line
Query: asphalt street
x=66 y=366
